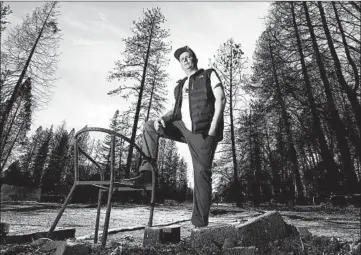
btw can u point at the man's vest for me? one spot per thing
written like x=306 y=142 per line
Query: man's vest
x=201 y=103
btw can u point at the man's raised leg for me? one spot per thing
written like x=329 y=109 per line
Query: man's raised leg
x=149 y=144
x=150 y=138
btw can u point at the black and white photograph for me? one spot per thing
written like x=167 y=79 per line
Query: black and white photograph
x=180 y=127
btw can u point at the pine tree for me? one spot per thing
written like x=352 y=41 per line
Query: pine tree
x=28 y=57
x=171 y=164
x=68 y=175
x=18 y=124
x=41 y=156
x=229 y=63
x=182 y=179
x=155 y=91
x=15 y=176
x=125 y=128
x=336 y=122
x=51 y=178
x=140 y=51
x=106 y=146
x=31 y=149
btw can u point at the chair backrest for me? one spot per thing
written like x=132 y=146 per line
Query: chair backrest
x=114 y=135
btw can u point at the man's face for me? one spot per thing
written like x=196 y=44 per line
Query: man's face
x=186 y=60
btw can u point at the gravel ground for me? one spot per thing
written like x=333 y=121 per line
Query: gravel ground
x=27 y=217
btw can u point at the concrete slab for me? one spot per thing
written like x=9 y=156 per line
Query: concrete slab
x=240 y=251
x=212 y=234
x=41 y=241
x=69 y=248
x=261 y=230
x=161 y=235
x=59 y=234
x=229 y=242
x=52 y=245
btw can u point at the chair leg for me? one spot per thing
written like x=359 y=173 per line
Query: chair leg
x=67 y=200
x=152 y=200
x=150 y=222
x=107 y=215
x=110 y=191
x=100 y=195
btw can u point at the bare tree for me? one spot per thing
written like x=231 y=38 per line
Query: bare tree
x=140 y=50
x=28 y=52
x=336 y=122
x=229 y=63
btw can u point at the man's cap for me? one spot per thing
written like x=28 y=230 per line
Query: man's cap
x=181 y=50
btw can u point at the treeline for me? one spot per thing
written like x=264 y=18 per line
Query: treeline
x=47 y=161
x=300 y=135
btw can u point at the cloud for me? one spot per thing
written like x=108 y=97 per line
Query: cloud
x=103 y=16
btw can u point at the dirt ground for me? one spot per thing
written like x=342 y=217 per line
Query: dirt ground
x=27 y=217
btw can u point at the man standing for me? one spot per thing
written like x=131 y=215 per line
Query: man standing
x=196 y=119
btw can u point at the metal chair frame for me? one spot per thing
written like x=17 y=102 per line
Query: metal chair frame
x=105 y=185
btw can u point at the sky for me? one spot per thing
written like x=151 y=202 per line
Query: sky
x=93 y=34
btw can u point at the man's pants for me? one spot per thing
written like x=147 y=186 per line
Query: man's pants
x=202 y=150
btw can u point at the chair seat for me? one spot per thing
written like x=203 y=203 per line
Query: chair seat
x=132 y=188
x=123 y=185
